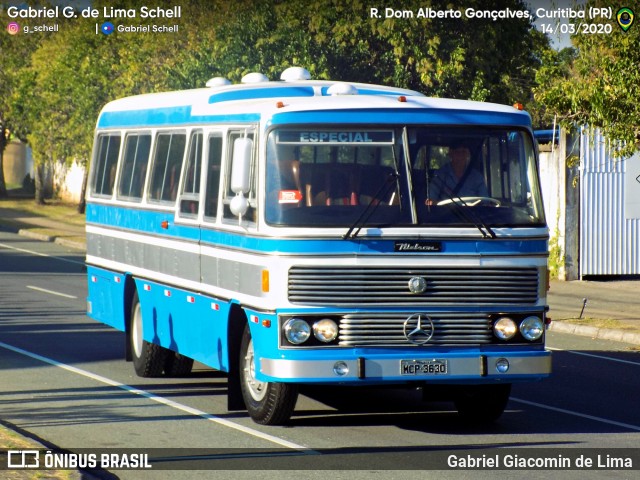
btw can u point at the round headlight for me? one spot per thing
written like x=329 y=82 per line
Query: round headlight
x=532 y=328
x=505 y=328
x=297 y=331
x=325 y=330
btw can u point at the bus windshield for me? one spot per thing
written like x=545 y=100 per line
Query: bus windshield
x=405 y=177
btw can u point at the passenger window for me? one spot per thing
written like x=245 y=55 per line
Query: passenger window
x=190 y=195
x=214 y=164
x=167 y=162
x=134 y=166
x=106 y=163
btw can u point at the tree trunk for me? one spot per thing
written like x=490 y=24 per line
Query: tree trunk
x=3 y=144
x=40 y=187
x=83 y=202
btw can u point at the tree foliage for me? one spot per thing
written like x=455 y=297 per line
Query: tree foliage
x=597 y=83
x=63 y=79
x=15 y=54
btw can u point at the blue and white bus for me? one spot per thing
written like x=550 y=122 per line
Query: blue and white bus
x=307 y=232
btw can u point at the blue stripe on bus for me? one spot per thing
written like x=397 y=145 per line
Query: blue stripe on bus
x=280 y=92
x=259 y=93
x=176 y=116
x=404 y=116
x=150 y=222
x=170 y=116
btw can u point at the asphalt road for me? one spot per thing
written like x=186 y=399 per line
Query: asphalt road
x=63 y=380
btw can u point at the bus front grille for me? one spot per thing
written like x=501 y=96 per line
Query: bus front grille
x=388 y=329
x=389 y=286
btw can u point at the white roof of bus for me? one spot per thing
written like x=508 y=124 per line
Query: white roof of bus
x=262 y=98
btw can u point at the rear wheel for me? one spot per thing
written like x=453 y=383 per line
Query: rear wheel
x=482 y=404
x=148 y=358
x=268 y=403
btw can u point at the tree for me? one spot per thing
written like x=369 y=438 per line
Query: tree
x=59 y=90
x=466 y=58
x=72 y=74
x=15 y=53
x=598 y=85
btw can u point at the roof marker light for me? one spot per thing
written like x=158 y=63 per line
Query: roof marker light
x=293 y=74
x=254 y=77
x=217 y=82
x=402 y=99
x=518 y=106
x=279 y=104
x=342 y=89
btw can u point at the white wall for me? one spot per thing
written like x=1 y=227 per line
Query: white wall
x=68 y=180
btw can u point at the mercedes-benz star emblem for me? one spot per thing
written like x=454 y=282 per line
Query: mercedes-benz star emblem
x=417 y=285
x=418 y=328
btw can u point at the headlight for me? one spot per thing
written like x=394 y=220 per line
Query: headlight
x=297 y=331
x=532 y=328
x=325 y=330
x=505 y=328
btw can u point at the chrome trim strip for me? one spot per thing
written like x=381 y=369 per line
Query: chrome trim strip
x=467 y=368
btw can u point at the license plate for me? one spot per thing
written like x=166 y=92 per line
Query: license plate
x=423 y=367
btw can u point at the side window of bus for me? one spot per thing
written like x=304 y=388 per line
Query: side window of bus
x=250 y=215
x=214 y=164
x=134 y=166
x=190 y=194
x=165 y=171
x=106 y=163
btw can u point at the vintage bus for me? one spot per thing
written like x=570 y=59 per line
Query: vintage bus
x=287 y=233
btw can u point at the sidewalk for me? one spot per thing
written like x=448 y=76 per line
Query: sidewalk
x=612 y=309
x=41 y=227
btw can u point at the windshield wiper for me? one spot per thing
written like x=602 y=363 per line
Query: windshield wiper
x=467 y=212
x=371 y=207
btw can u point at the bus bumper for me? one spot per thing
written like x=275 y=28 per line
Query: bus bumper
x=463 y=368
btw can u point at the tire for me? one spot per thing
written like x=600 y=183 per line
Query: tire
x=148 y=358
x=177 y=365
x=268 y=403
x=482 y=404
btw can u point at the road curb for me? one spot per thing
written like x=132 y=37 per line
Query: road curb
x=36 y=236
x=52 y=238
x=595 y=332
x=70 y=243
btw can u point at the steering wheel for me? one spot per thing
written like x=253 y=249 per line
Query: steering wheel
x=471 y=201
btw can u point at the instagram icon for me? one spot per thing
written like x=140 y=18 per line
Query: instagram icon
x=13 y=28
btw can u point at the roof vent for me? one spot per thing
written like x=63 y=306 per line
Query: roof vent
x=254 y=77
x=217 y=82
x=342 y=89
x=293 y=74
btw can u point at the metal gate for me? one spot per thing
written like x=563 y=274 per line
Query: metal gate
x=609 y=209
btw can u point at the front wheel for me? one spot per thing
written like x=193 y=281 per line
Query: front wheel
x=482 y=404
x=268 y=403
x=148 y=358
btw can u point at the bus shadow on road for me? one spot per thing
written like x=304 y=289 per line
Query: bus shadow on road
x=406 y=409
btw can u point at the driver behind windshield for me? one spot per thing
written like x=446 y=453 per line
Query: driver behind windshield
x=456 y=179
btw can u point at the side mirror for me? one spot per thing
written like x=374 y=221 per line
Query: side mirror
x=240 y=175
x=241 y=165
